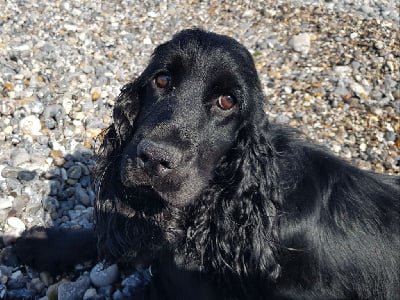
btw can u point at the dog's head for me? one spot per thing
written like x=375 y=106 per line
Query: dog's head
x=182 y=115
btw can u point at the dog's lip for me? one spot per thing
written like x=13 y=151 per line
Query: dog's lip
x=152 y=192
x=147 y=189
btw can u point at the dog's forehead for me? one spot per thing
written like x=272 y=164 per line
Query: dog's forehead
x=196 y=48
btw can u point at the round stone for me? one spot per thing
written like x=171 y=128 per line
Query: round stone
x=16 y=223
x=301 y=42
x=20 y=156
x=74 y=172
x=102 y=275
x=30 y=125
x=73 y=290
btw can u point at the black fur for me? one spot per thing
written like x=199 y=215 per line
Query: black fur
x=227 y=205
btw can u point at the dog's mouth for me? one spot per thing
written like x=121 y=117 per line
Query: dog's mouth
x=144 y=198
x=144 y=187
x=177 y=187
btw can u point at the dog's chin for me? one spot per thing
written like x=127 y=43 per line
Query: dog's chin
x=149 y=196
x=171 y=191
x=143 y=198
x=176 y=199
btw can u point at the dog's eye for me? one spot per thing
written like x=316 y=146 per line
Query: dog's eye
x=162 y=80
x=226 y=102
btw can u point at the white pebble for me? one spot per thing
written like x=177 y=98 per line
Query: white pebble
x=358 y=89
x=147 y=41
x=6 y=202
x=379 y=45
x=67 y=105
x=30 y=125
x=342 y=71
x=301 y=42
x=363 y=147
x=336 y=148
x=13 y=230
x=153 y=14
x=16 y=223
x=353 y=35
x=90 y=294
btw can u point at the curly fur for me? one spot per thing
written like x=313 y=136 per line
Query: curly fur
x=278 y=217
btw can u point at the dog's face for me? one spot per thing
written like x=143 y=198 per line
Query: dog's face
x=193 y=97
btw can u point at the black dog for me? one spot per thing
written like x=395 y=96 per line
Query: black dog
x=194 y=181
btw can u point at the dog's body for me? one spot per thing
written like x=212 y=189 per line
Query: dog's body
x=195 y=181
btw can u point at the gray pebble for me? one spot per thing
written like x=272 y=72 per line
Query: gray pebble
x=51 y=204
x=20 y=156
x=90 y=294
x=342 y=71
x=82 y=196
x=26 y=175
x=55 y=111
x=17 y=283
x=3 y=291
x=50 y=123
x=36 y=107
x=20 y=293
x=73 y=290
x=43 y=139
x=46 y=278
x=282 y=119
x=118 y=295
x=10 y=172
x=106 y=291
x=341 y=91
x=37 y=285
x=69 y=192
x=390 y=136
x=13 y=185
x=102 y=275
x=94 y=122
x=68 y=163
x=85 y=181
x=55 y=187
x=74 y=172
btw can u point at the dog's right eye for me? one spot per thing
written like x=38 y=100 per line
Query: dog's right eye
x=226 y=102
x=162 y=80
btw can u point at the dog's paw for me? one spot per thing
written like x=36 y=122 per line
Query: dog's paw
x=55 y=250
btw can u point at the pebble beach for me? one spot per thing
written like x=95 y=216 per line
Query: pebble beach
x=329 y=68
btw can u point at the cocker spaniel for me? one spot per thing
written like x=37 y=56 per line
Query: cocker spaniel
x=194 y=181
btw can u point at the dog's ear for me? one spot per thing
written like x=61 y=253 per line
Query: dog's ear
x=258 y=194
x=112 y=243
x=127 y=108
x=249 y=217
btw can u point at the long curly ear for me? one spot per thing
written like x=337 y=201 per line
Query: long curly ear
x=106 y=171
x=237 y=232
x=126 y=110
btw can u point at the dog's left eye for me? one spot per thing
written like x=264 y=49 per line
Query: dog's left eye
x=226 y=102
x=162 y=80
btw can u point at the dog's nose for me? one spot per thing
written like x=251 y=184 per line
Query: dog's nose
x=157 y=158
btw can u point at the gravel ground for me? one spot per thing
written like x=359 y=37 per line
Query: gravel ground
x=329 y=68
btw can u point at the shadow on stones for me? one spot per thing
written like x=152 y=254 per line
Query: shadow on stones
x=61 y=197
